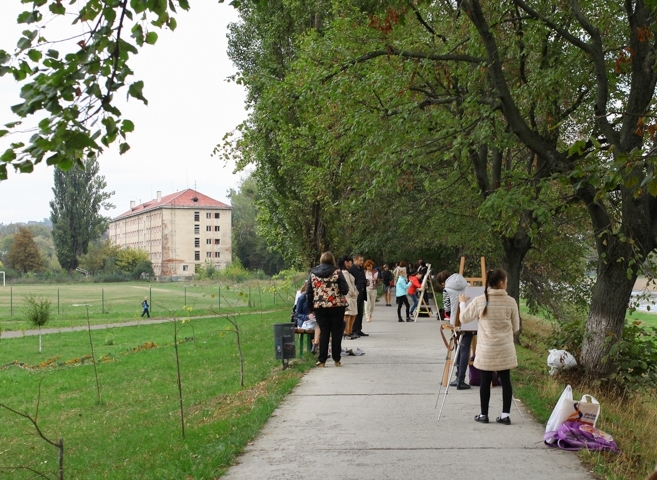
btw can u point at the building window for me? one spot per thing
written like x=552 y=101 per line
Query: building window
x=208 y=228
x=217 y=254
x=197 y=229
x=197 y=215
x=185 y=268
x=208 y=254
x=216 y=228
x=197 y=242
x=197 y=255
x=208 y=215
x=208 y=241
x=216 y=215
x=217 y=241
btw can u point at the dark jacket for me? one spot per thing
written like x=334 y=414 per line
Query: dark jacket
x=359 y=278
x=386 y=277
x=324 y=270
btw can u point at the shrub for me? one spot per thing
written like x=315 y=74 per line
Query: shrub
x=633 y=359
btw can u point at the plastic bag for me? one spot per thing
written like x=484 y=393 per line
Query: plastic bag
x=587 y=410
x=560 y=360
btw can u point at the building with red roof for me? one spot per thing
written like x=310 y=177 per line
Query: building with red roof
x=179 y=231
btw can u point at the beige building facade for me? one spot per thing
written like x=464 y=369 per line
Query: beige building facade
x=179 y=231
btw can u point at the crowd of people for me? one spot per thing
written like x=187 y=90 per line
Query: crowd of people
x=338 y=295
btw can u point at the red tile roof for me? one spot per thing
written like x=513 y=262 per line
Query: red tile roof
x=184 y=199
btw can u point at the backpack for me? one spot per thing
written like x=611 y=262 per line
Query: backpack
x=577 y=435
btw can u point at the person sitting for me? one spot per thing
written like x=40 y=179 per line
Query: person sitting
x=306 y=320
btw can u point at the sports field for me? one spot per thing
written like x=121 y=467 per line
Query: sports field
x=117 y=302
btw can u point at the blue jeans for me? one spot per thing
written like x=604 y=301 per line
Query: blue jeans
x=416 y=300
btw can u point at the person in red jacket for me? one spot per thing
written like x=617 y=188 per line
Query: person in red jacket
x=414 y=289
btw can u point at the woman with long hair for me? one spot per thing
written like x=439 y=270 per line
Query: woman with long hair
x=326 y=299
x=352 y=298
x=498 y=321
x=401 y=290
x=371 y=284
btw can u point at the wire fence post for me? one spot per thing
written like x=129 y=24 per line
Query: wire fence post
x=185 y=295
x=219 y=295
x=11 y=301
x=58 y=301
x=249 y=296
x=150 y=299
x=102 y=300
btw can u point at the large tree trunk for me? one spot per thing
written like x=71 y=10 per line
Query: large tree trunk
x=609 y=303
x=515 y=249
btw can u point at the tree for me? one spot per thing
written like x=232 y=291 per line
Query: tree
x=23 y=254
x=128 y=259
x=79 y=196
x=249 y=246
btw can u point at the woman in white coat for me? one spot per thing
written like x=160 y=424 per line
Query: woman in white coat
x=352 y=298
x=496 y=352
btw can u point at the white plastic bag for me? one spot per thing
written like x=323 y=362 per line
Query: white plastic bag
x=560 y=360
x=586 y=410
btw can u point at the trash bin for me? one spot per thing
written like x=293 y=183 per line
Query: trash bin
x=284 y=344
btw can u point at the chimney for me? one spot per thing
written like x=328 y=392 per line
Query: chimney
x=159 y=196
x=132 y=204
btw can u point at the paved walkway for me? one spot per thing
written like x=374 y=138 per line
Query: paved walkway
x=375 y=418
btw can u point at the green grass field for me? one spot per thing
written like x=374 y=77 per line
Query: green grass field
x=135 y=432
x=119 y=302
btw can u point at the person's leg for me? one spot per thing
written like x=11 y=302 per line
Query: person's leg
x=415 y=302
x=358 y=323
x=464 y=355
x=408 y=306
x=484 y=390
x=337 y=323
x=400 y=301
x=507 y=390
x=350 y=323
x=324 y=322
x=371 y=298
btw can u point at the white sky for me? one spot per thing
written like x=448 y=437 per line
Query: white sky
x=191 y=107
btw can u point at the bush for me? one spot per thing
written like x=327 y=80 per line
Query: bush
x=112 y=277
x=633 y=359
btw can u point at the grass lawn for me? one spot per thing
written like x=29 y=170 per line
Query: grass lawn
x=135 y=432
x=119 y=302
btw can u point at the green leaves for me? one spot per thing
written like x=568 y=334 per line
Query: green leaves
x=68 y=93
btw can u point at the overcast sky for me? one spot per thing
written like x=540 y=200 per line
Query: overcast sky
x=191 y=107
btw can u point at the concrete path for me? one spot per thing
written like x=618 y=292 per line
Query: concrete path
x=375 y=418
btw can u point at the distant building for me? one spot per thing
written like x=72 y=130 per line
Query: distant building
x=179 y=231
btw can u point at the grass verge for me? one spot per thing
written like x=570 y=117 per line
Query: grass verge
x=135 y=432
x=630 y=420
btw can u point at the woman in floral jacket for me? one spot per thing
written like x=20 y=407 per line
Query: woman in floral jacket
x=326 y=292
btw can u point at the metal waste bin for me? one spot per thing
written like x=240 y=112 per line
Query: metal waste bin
x=284 y=344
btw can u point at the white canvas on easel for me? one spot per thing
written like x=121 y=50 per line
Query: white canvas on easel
x=471 y=293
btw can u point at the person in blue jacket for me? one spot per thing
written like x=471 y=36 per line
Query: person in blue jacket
x=145 y=308
x=400 y=291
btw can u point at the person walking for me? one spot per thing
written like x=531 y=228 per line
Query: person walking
x=372 y=283
x=401 y=290
x=388 y=284
x=498 y=322
x=359 y=277
x=146 y=309
x=325 y=293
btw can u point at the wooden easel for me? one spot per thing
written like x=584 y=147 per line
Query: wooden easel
x=454 y=329
x=422 y=304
